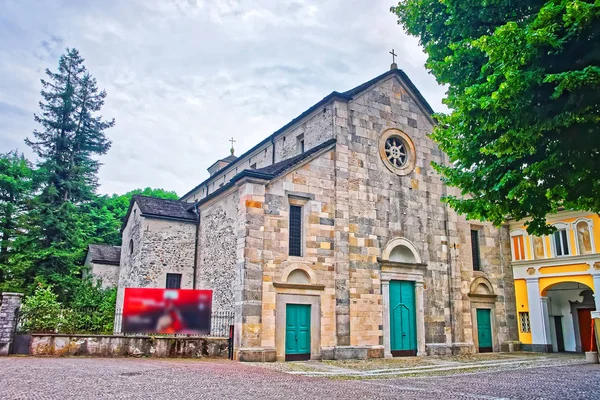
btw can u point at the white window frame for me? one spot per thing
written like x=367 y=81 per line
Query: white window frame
x=560 y=226
x=590 y=225
x=519 y=232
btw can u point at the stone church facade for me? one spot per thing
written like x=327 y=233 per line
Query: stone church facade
x=328 y=239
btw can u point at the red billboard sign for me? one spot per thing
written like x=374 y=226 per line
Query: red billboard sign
x=181 y=311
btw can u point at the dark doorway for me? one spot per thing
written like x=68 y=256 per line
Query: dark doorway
x=560 y=340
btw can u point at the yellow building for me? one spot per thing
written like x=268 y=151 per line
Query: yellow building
x=556 y=277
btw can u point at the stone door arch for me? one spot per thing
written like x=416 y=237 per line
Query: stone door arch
x=401 y=261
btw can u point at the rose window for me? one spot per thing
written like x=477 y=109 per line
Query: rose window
x=396 y=152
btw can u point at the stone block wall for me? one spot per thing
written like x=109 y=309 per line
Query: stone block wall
x=312 y=187
x=107 y=274
x=217 y=248
x=151 y=249
x=315 y=129
x=375 y=205
x=9 y=314
x=249 y=251
x=126 y=346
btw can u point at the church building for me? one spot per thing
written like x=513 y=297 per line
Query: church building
x=328 y=239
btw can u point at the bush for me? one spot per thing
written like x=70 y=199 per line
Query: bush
x=41 y=312
x=92 y=310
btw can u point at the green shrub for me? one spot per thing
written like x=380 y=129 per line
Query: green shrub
x=41 y=312
x=91 y=310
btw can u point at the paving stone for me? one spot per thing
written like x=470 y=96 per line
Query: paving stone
x=95 y=378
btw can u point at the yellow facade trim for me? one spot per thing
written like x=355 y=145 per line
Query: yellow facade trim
x=522 y=306
x=546 y=283
x=564 y=269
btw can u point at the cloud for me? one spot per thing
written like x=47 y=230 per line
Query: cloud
x=183 y=76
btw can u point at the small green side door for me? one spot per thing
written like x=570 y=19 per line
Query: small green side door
x=297 y=332
x=403 y=330
x=484 y=330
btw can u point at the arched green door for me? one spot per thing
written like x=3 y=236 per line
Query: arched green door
x=403 y=330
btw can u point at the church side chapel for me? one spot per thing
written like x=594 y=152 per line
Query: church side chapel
x=328 y=239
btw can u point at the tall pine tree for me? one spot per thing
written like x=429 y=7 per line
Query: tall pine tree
x=72 y=133
x=16 y=190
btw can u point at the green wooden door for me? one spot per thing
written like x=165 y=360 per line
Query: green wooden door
x=297 y=332
x=403 y=330
x=484 y=330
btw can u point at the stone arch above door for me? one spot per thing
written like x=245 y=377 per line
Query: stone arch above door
x=401 y=250
x=293 y=272
x=481 y=286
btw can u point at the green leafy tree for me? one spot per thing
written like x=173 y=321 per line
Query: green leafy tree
x=16 y=190
x=108 y=212
x=72 y=135
x=523 y=83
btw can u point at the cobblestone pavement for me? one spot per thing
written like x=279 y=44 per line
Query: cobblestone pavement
x=95 y=378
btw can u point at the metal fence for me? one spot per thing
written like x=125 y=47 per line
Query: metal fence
x=68 y=321
x=103 y=322
x=220 y=322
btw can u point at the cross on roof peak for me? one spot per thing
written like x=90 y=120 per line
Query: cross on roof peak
x=232 y=140
x=394 y=55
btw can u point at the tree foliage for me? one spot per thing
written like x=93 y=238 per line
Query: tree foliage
x=524 y=92
x=110 y=212
x=41 y=311
x=16 y=189
x=58 y=226
x=50 y=212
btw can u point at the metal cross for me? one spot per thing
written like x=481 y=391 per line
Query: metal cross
x=232 y=141
x=393 y=56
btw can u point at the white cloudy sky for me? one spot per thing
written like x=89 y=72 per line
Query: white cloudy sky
x=183 y=76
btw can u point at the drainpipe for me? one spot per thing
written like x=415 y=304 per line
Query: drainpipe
x=449 y=257
x=195 y=269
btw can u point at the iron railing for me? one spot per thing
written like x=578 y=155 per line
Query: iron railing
x=101 y=322
x=220 y=323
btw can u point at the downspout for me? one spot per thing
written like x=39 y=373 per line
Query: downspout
x=195 y=269
x=449 y=257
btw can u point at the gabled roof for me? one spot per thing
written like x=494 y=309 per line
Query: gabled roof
x=154 y=207
x=360 y=88
x=104 y=254
x=229 y=159
x=270 y=172
x=345 y=96
x=162 y=208
x=285 y=165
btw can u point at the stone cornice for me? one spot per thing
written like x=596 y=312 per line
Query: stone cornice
x=303 y=286
x=398 y=264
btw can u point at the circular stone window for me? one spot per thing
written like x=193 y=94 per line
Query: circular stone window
x=397 y=151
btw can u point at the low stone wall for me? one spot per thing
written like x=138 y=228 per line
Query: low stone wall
x=126 y=346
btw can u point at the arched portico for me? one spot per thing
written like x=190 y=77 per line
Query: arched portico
x=570 y=304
